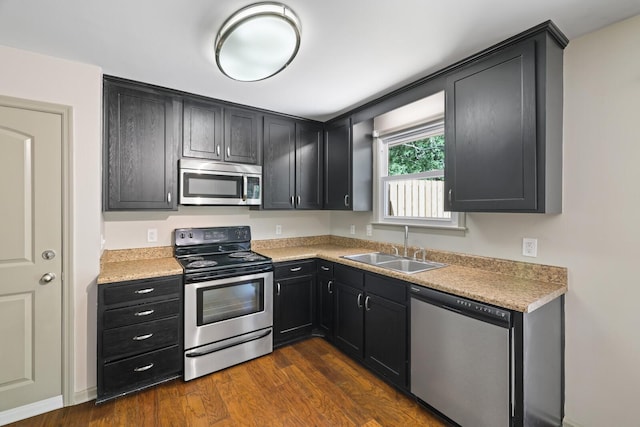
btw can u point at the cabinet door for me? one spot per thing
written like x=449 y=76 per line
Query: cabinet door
x=279 y=163
x=308 y=150
x=294 y=307
x=490 y=133
x=386 y=338
x=202 y=130
x=349 y=321
x=140 y=149
x=337 y=172
x=325 y=306
x=240 y=136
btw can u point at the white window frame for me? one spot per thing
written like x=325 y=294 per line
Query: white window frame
x=380 y=193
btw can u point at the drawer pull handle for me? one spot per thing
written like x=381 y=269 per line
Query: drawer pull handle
x=144 y=291
x=144 y=313
x=142 y=337
x=294 y=269
x=324 y=268
x=144 y=368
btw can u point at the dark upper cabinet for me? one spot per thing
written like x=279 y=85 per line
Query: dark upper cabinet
x=202 y=130
x=348 y=169
x=140 y=148
x=292 y=166
x=503 y=130
x=241 y=136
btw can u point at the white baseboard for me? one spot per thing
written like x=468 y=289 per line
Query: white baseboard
x=30 y=410
x=84 y=396
x=566 y=422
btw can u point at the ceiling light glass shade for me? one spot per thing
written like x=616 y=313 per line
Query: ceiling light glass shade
x=258 y=41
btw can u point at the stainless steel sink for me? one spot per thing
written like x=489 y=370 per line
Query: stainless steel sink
x=394 y=262
x=409 y=265
x=371 y=258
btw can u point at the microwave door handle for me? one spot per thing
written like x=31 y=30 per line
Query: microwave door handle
x=245 y=184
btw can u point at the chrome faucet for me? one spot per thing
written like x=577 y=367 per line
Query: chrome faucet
x=406 y=239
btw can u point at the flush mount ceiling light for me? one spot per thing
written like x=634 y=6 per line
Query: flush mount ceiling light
x=257 y=41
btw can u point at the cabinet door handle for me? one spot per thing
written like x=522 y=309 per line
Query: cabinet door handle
x=168 y=197
x=228 y=152
x=329 y=285
x=217 y=150
x=324 y=268
x=298 y=200
x=144 y=313
x=360 y=300
x=294 y=269
x=346 y=200
x=144 y=368
x=144 y=291
x=278 y=288
x=450 y=190
x=142 y=337
x=291 y=200
x=366 y=303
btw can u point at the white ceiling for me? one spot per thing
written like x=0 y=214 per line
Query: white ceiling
x=352 y=50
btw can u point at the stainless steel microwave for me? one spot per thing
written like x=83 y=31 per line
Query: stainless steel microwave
x=204 y=182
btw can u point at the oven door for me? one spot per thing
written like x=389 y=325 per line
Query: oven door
x=219 y=309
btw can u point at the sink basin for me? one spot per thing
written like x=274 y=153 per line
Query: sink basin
x=371 y=258
x=394 y=262
x=409 y=266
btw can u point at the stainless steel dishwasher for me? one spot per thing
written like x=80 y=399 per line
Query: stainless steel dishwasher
x=461 y=358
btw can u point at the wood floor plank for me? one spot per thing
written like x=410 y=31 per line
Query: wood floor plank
x=309 y=383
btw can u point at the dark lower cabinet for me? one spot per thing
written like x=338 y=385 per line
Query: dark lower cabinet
x=325 y=296
x=140 y=148
x=370 y=322
x=139 y=335
x=294 y=301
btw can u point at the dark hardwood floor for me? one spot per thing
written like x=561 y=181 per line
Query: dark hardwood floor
x=309 y=383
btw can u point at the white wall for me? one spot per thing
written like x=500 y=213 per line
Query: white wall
x=595 y=237
x=129 y=229
x=37 y=77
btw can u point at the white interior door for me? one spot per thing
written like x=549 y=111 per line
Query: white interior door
x=30 y=256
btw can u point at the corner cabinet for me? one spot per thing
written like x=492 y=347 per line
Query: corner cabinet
x=292 y=167
x=348 y=171
x=503 y=128
x=140 y=148
x=139 y=335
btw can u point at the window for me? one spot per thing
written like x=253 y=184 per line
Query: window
x=411 y=177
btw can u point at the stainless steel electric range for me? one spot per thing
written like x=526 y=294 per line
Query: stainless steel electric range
x=228 y=298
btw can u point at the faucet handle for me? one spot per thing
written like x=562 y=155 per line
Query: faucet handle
x=395 y=250
x=424 y=254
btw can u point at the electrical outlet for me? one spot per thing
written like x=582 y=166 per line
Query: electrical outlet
x=152 y=234
x=369 y=230
x=352 y=229
x=530 y=247
x=278 y=229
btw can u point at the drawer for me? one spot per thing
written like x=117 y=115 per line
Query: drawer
x=133 y=372
x=385 y=287
x=140 y=313
x=141 y=290
x=325 y=268
x=139 y=338
x=348 y=276
x=294 y=269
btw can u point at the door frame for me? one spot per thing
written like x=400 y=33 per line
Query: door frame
x=68 y=328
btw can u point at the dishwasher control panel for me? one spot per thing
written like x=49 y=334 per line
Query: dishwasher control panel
x=462 y=305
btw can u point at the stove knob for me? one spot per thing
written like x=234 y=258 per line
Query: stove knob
x=191 y=235
x=182 y=235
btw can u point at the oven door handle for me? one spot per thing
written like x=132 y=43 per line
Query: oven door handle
x=223 y=346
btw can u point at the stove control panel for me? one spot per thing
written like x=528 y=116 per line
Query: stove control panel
x=210 y=235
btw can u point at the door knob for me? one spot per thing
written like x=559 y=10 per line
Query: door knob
x=47 y=277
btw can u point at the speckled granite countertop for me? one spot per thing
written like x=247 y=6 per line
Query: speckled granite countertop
x=133 y=264
x=510 y=284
